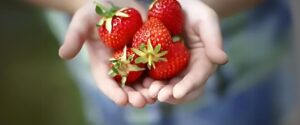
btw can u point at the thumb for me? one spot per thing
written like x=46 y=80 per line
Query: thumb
x=80 y=29
x=211 y=35
x=209 y=31
x=216 y=55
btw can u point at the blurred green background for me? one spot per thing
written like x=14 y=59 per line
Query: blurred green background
x=36 y=88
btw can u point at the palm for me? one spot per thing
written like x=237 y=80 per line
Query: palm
x=83 y=31
x=188 y=85
x=205 y=43
x=203 y=40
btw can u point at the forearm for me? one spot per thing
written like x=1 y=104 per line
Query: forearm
x=69 y=6
x=226 y=8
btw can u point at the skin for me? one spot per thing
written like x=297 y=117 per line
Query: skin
x=206 y=52
x=203 y=38
x=83 y=31
x=205 y=42
x=225 y=8
x=69 y=6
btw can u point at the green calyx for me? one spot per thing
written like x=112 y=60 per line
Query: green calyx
x=176 y=39
x=108 y=14
x=151 y=5
x=150 y=55
x=122 y=66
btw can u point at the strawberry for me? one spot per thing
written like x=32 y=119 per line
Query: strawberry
x=177 y=59
x=117 y=27
x=170 y=13
x=151 y=41
x=123 y=69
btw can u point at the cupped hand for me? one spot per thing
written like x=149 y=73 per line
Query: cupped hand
x=82 y=30
x=204 y=40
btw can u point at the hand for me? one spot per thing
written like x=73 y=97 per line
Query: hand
x=82 y=30
x=205 y=43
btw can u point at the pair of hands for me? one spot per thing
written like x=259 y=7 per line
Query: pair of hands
x=203 y=38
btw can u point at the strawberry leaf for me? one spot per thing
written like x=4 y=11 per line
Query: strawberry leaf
x=151 y=5
x=141 y=60
x=123 y=81
x=123 y=9
x=100 y=10
x=150 y=47
x=117 y=64
x=115 y=70
x=138 y=52
x=161 y=54
x=108 y=25
x=101 y=22
x=157 y=48
x=176 y=39
x=111 y=73
x=121 y=14
x=142 y=46
x=124 y=54
x=130 y=57
x=113 y=8
x=134 y=68
x=162 y=59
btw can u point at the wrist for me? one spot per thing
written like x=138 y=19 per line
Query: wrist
x=188 y=4
x=74 y=6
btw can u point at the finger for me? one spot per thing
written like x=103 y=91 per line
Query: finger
x=155 y=88
x=112 y=90
x=209 y=31
x=81 y=27
x=98 y=56
x=135 y=98
x=196 y=93
x=145 y=93
x=191 y=96
x=109 y=87
x=172 y=101
x=166 y=93
x=147 y=82
x=193 y=79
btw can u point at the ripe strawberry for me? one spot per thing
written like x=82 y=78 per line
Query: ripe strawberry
x=177 y=59
x=170 y=13
x=154 y=30
x=117 y=27
x=123 y=69
x=151 y=41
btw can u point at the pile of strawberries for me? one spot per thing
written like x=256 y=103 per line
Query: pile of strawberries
x=152 y=47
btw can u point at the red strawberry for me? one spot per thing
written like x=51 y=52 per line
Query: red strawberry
x=177 y=60
x=150 y=41
x=117 y=27
x=170 y=13
x=123 y=69
x=154 y=30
